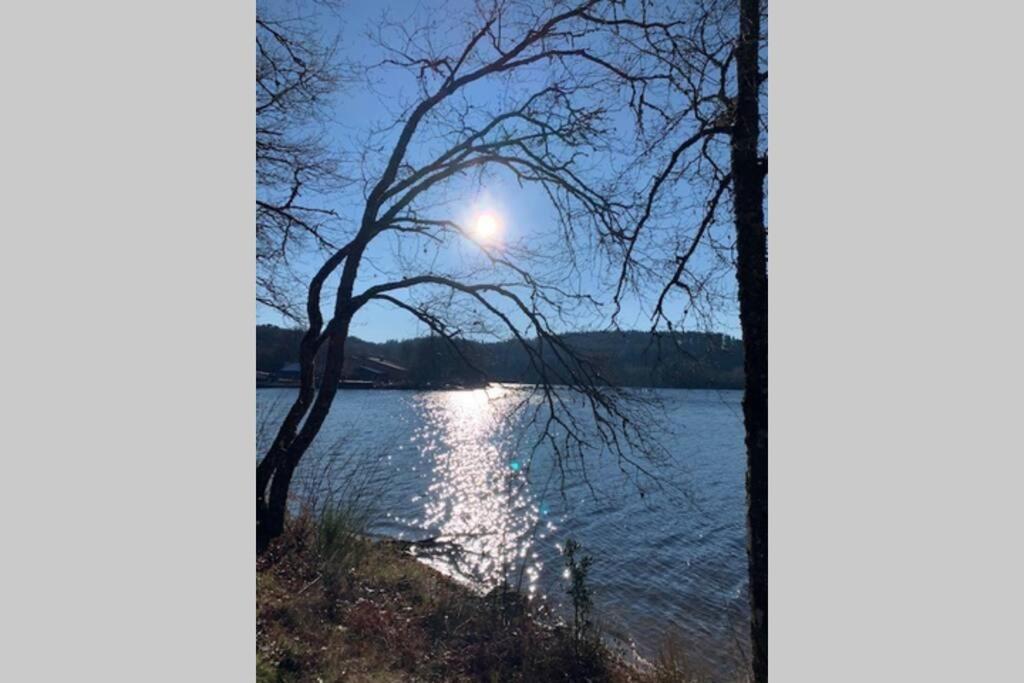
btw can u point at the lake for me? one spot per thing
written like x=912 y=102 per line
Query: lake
x=461 y=467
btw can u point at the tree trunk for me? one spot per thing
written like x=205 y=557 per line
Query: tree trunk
x=291 y=442
x=752 y=279
x=270 y=523
x=277 y=503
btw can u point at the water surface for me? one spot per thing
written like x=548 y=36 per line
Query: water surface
x=462 y=467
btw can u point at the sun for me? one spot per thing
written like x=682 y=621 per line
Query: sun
x=486 y=226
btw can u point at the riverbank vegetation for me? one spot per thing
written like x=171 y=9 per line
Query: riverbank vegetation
x=333 y=605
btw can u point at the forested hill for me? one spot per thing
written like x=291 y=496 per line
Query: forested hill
x=683 y=359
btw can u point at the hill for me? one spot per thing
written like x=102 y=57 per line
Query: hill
x=694 y=360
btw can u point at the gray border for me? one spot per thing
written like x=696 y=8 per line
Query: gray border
x=895 y=147
x=128 y=272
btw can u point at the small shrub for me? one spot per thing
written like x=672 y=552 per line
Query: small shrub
x=335 y=499
x=581 y=595
x=674 y=665
x=339 y=543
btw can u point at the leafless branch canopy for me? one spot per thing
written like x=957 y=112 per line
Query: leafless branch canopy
x=297 y=73
x=683 y=101
x=555 y=127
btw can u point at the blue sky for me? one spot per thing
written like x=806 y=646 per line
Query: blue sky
x=525 y=212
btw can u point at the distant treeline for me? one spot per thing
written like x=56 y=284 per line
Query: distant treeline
x=695 y=360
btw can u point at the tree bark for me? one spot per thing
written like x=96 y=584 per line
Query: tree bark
x=278 y=466
x=272 y=509
x=752 y=279
x=270 y=523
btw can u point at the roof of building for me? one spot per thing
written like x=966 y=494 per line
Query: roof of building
x=386 y=363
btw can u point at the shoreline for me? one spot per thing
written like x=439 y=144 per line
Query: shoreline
x=391 y=617
x=383 y=615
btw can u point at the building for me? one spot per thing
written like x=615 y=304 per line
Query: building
x=359 y=371
x=379 y=372
x=291 y=371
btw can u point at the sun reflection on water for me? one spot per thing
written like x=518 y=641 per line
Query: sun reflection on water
x=479 y=498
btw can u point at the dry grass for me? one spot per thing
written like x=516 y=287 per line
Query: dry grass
x=391 y=618
x=383 y=616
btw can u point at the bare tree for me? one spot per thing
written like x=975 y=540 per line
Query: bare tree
x=752 y=275
x=697 y=80
x=297 y=74
x=548 y=129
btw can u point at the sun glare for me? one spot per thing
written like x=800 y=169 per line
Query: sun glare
x=486 y=227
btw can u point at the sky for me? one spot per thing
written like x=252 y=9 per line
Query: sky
x=525 y=214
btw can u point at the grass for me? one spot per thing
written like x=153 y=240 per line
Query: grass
x=335 y=606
